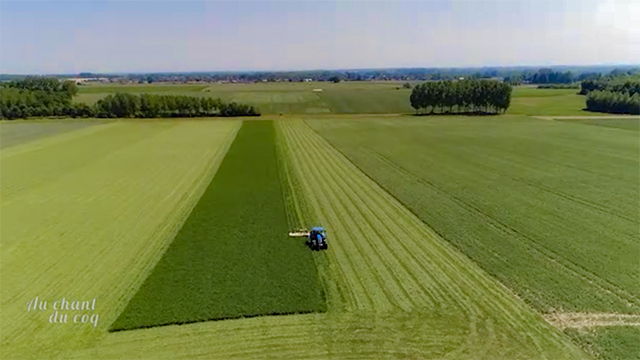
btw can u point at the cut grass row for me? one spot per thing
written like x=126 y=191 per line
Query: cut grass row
x=96 y=229
x=232 y=257
x=549 y=208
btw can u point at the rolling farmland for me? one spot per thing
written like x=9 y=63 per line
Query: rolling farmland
x=320 y=180
x=450 y=237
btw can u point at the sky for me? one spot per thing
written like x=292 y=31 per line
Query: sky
x=64 y=37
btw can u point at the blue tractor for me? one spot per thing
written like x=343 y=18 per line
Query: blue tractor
x=316 y=238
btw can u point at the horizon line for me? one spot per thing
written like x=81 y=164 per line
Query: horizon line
x=322 y=69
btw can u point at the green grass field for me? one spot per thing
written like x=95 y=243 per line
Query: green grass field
x=357 y=97
x=18 y=132
x=618 y=123
x=232 y=256
x=549 y=208
x=533 y=101
x=87 y=214
x=394 y=287
x=610 y=343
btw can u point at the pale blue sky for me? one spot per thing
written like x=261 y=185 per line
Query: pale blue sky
x=135 y=36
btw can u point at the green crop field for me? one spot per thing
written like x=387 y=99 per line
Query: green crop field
x=549 y=208
x=118 y=196
x=610 y=343
x=450 y=237
x=357 y=97
x=232 y=256
x=88 y=216
x=373 y=101
x=18 y=132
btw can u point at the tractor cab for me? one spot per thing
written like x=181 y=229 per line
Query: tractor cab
x=318 y=238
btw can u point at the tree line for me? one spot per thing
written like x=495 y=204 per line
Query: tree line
x=618 y=94
x=43 y=97
x=548 y=76
x=559 y=86
x=36 y=96
x=124 y=105
x=464 y=96
x=513 y=74
x=613 y=102
x=630 y=86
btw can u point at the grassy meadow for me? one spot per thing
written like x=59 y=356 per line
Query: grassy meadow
x=533 y=101
x=618 y=123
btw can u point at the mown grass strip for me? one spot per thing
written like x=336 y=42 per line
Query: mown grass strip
x=232 y=257
x=97 y=229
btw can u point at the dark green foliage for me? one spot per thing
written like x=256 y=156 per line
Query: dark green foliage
x=42 y=97
x=513 y=80
x=235 y=109
x=46 y=84
x=614 y=102
x=467 y=96
x=126 y=105
x=614 y=94
x=627 y=85
x=548 y=76
x=560 y=86
x=36 y=96
x=232 y=257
